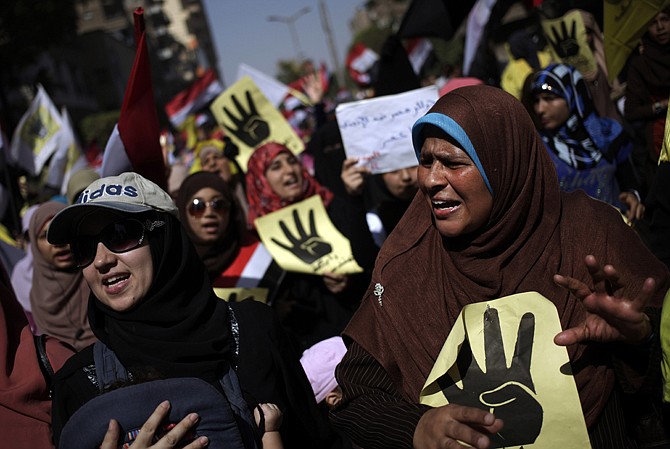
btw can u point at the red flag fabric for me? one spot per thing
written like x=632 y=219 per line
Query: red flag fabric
x=197 y=96
x=138 y=128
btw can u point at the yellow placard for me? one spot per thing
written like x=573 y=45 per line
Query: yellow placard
x=665 y=346
x=500 y=356
x=665 y=148
x=236 y=294
x=302 y=238
x=568 y=41
x=625 y=23
x=248 y=117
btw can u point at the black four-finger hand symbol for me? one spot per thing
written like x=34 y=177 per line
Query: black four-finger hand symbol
x=565 y=45
x=307 y=247
x=249 y=127
x=508 y=393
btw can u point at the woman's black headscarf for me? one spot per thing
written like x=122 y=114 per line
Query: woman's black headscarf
x=180 y=329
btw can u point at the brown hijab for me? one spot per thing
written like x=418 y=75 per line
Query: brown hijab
x=534 y=232
x=219 y=255
x=59 y=299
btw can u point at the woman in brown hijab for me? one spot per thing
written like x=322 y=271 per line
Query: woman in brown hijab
x=59 y=295
x=490 y=221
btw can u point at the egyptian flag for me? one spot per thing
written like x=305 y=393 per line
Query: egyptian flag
x=253 y=270
x=360 y=62
x=418 y=52
x=197 y=96
x=135 y=142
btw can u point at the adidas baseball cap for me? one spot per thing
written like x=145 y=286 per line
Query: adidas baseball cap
x=128 y=192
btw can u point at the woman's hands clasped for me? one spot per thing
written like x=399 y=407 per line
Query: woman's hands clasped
x=610 y=316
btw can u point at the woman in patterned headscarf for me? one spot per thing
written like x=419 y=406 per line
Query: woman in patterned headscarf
x=590 y=152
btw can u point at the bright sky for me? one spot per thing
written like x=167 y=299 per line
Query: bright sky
x=243 y=34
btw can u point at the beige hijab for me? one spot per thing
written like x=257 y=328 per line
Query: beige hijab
x=59 y=299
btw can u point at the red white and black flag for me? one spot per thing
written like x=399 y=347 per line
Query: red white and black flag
x=197 y=96
x=135 y=142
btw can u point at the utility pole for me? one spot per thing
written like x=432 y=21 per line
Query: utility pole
x=325 y=24
x=290 y=21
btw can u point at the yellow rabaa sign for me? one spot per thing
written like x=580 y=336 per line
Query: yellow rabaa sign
x=665 y=148
x=237 y=294
x=625 y=23
x=500 y=356
x=569 y=43
x=302 y=238
x=248 y=117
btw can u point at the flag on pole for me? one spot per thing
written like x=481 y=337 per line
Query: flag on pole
x=197 y=96
x=275 y=91
x=135 y=141
x=68 y=157
x=36 y=136
x=476 y=24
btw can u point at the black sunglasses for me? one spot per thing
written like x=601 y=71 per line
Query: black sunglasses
x=198 y=206
x=118 y=237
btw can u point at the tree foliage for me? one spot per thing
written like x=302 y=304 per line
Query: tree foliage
x=288 y=70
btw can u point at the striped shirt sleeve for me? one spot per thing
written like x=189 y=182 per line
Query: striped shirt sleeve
x=372 y=412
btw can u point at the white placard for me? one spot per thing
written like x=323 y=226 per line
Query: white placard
x=378 y=131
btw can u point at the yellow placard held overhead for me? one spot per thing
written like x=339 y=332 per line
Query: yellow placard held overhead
x=568 y=41
x=500 y=356
x=302 y=238
x=248 y=117
x=625 y=23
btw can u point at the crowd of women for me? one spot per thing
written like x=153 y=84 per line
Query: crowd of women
x=517 y=274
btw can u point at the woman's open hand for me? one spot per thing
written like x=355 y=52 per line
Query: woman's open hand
x=144 y=438
x=443 y=427
x=610 y=316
